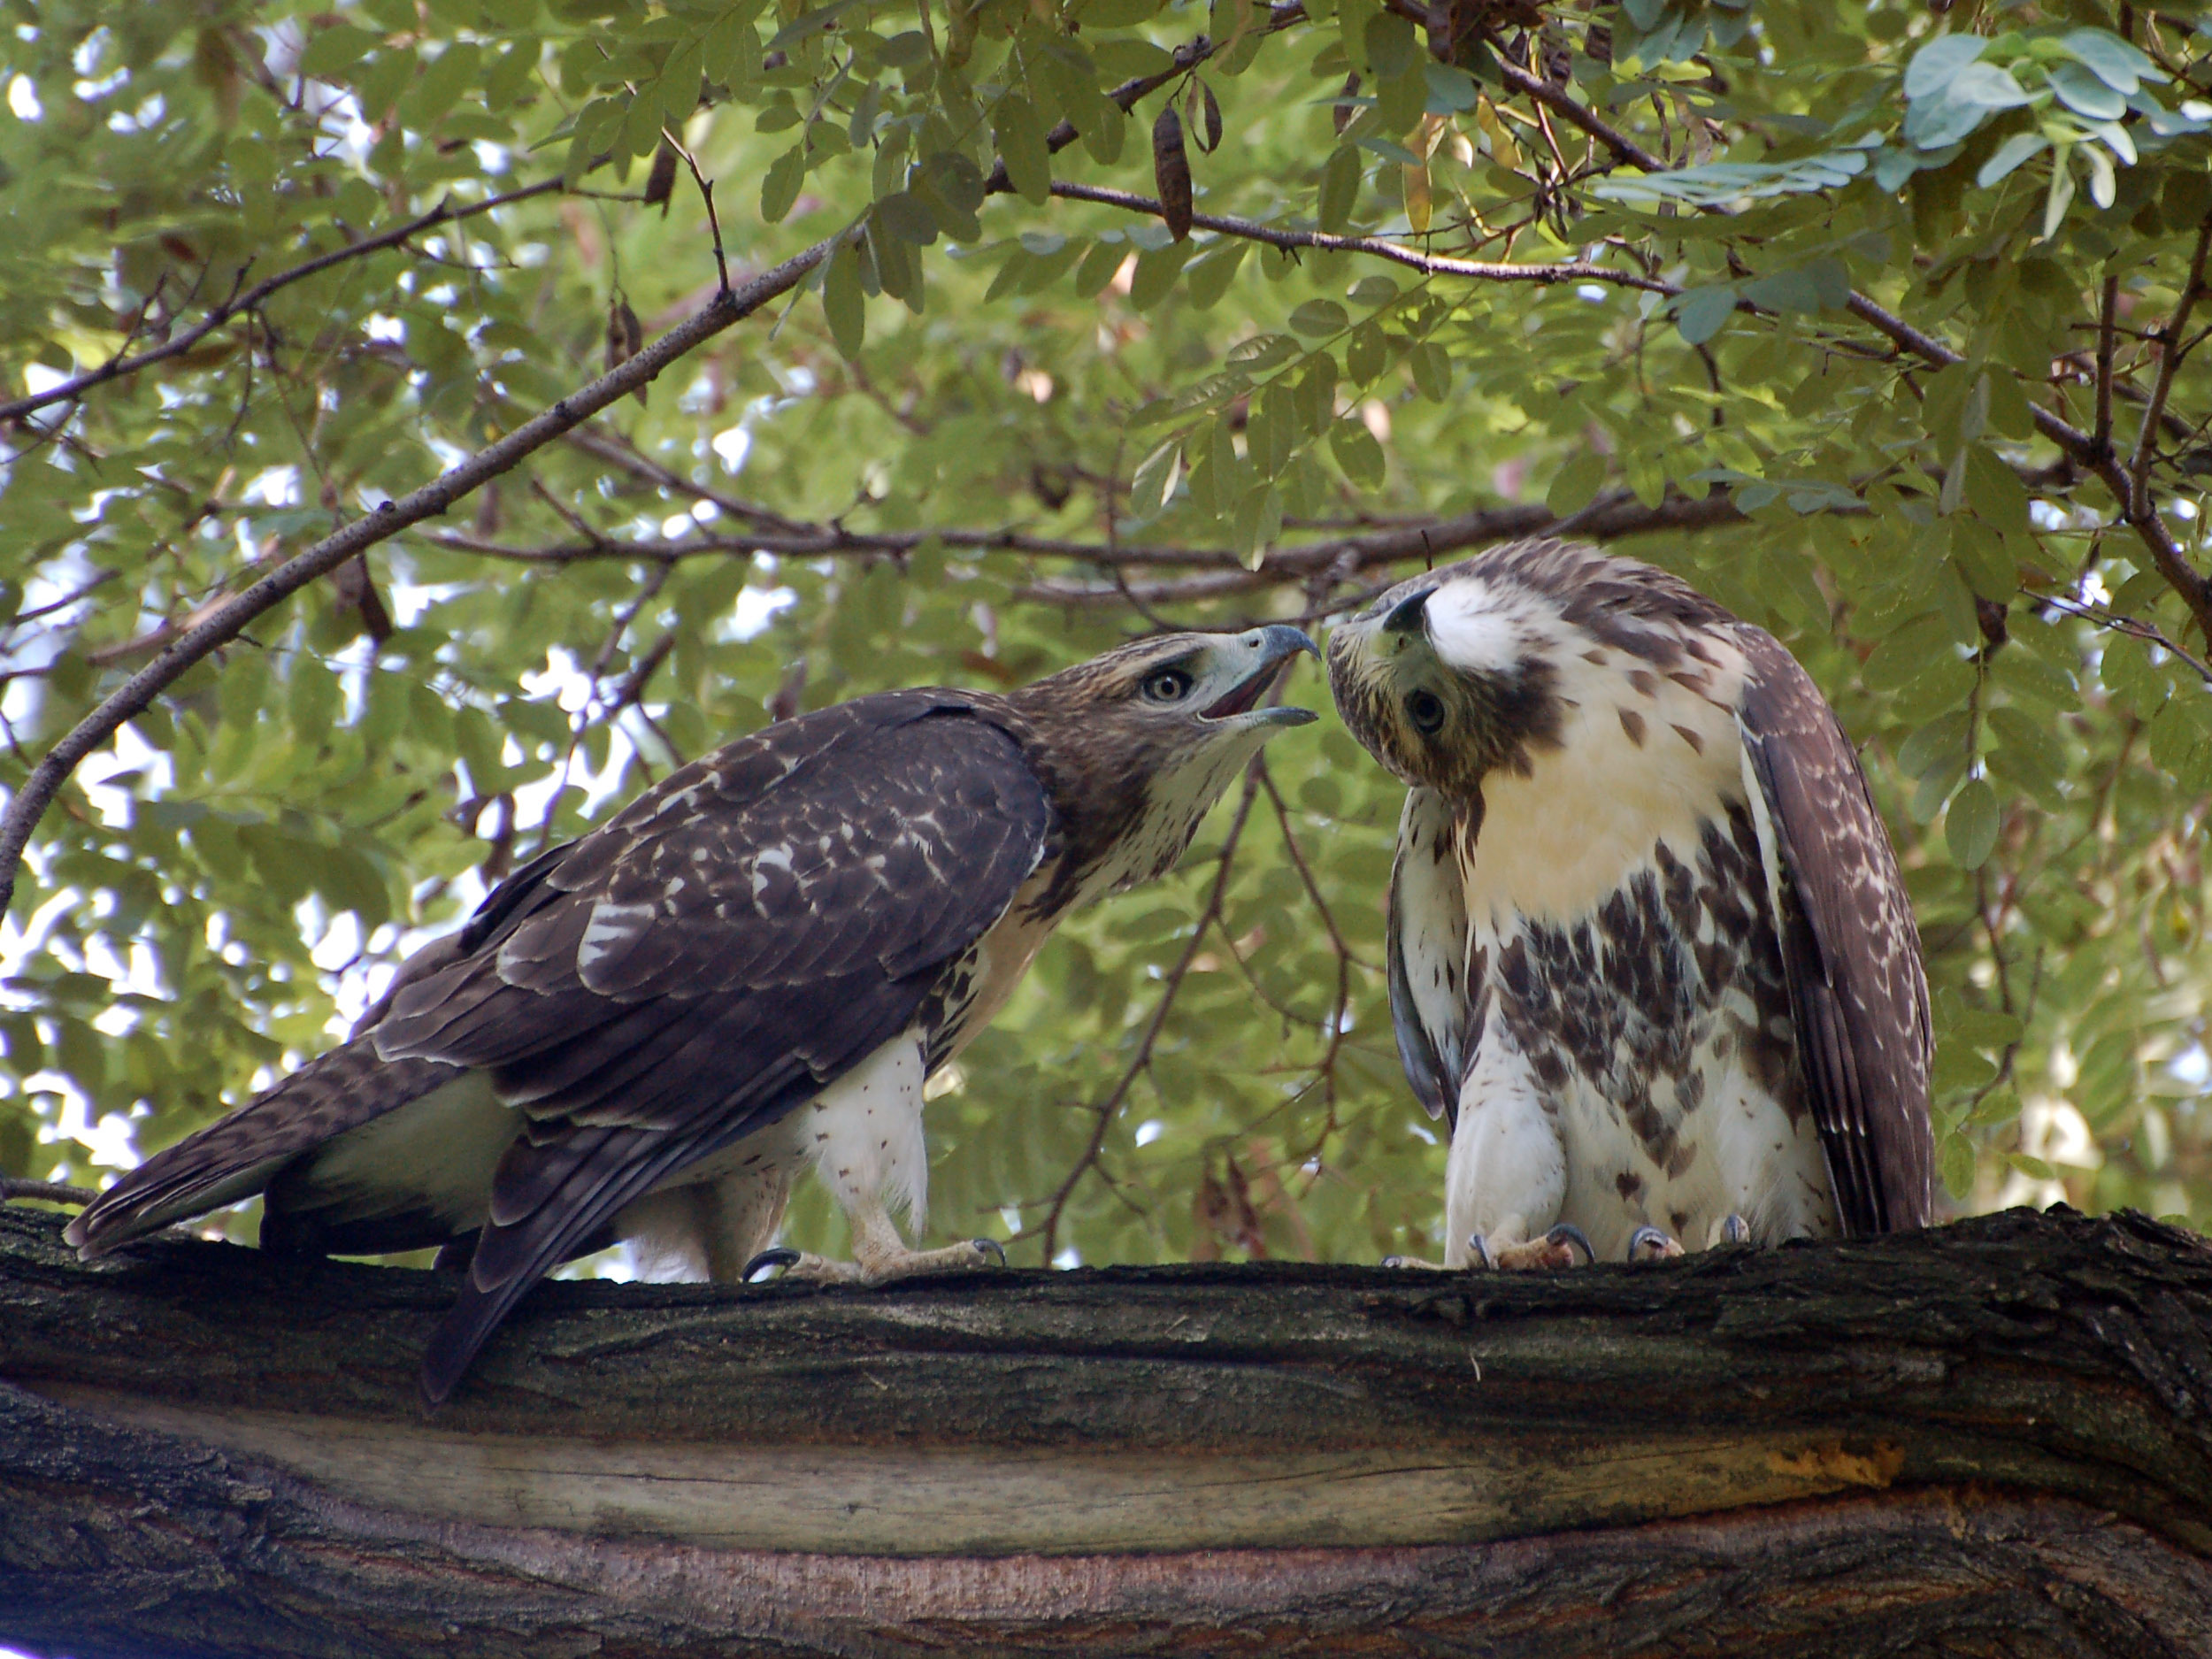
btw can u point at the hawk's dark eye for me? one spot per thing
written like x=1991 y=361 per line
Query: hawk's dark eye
x=1425 y=710
x=1166 y=685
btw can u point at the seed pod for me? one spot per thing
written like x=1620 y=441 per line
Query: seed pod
x=625 y=338
x=1171 y=169
x=1204 y=111
x=660 y=180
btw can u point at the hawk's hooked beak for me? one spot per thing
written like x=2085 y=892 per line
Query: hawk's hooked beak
x=1270 y=647
x=1409 y=615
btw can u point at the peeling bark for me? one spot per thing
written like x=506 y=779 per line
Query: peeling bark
x=1991 y=1438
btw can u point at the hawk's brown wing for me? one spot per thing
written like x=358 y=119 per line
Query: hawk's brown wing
x=740 y=934
x=1849 y=948
x=751 y=928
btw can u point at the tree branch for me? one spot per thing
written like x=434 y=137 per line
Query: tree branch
x=2130 y=490
x=2169 y=356
x=1615 y=514
x=1991 y=1432
x=1105 y=1111
x=240 y=304
x=1396 y=253
x=2108 y=310
x=1188 y=57
x=727 y=308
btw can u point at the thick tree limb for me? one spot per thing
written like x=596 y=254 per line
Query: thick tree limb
x=227 y=620
x=1991 y=1438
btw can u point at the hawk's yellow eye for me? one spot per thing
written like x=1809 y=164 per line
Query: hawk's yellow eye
x=1166 y=685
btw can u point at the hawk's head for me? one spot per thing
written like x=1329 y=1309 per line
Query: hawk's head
x=1142 y=740
x=1470 y=669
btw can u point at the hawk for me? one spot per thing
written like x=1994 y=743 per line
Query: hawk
x=1649 y=949
x=646 y=1033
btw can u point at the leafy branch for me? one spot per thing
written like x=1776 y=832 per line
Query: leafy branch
x=247 y=304
x=1103 y=1113
x=226 y=621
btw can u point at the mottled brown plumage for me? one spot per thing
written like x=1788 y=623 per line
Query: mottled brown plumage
x=1649 y=945
x=812 y=917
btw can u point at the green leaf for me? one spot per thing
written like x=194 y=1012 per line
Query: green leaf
x=1209 y=274
x=1339 y=189
x=843 y=305
x=1575 y=484
x=1971 y=825
x=1319 y=317
x=1994 y=491
x=1358 y=454
x=2085 y=93
x=334 y=49
x=2119 y=65
x=779 y=185
x=2010 y=155
x=1021 y=146
x=1367 y=354
x=1153 y=486
x=1156 y=271
x=1432 y=367
x=1391 y=47
x=1936 y=65
x=1958 y=1165
x=1700 y=313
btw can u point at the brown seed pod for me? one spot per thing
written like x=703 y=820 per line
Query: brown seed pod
x=660 y=180
x=1171 y=168
x=625 y=338
x=1202 y=111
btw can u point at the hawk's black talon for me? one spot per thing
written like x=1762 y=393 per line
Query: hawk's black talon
x=1735 y=1230
x=990 y=1248
x=1482 y=1251
x=1647 y=1235
x=775 y=1255
x=1567 y=1233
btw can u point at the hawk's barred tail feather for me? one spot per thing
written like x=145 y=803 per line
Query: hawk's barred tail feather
x=239 y=1157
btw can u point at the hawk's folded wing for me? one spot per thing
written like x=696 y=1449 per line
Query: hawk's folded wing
x=754 y=926
x=1849 y=949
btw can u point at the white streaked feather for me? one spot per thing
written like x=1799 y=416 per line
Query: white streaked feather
x=435 y=1153
x=1475 y=627
x=1554 y=844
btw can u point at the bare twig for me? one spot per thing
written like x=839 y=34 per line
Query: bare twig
x=1056 y=1205
x=1376 y=247
x=1579 y=114
x=37 y=793
x=2169 y=356
x=2142 y=517
x=706 y=194
x=2108 y=309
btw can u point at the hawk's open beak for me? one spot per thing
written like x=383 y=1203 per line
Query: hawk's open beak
x=1272 y=648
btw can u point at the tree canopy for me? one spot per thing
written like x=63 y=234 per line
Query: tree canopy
x=426 y=420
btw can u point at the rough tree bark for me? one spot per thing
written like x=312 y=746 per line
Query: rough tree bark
x=1989 y=1440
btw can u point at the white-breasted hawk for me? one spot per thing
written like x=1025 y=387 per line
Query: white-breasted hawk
x=752 y=968
x=1648 y=945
